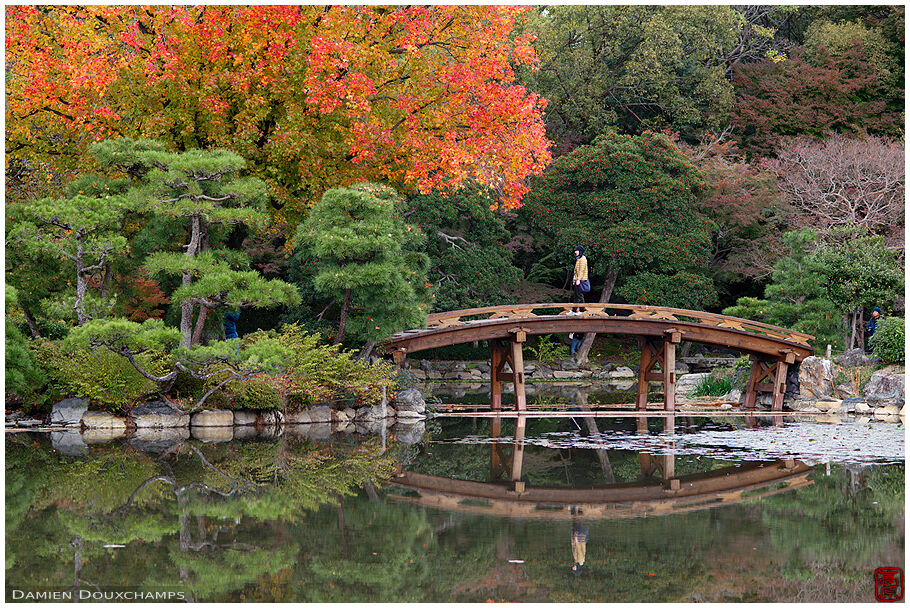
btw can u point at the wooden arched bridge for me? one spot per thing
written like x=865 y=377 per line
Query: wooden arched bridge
x=645 y=498
x=771 y=348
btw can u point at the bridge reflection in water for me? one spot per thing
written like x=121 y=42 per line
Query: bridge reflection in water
x=659 y=491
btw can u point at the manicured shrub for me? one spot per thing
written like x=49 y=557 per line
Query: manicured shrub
x=105 y=378
x=258 y=393
x=888 y=340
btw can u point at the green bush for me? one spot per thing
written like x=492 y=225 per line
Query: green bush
x=547 y=350
x=258 y=393
x=105 y=378
x=23 y=374
x=888 y=340
x=314 y=372
x=715 y=385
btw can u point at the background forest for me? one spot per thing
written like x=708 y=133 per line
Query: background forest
x=352 y=169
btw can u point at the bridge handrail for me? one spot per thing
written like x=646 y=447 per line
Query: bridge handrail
x=596 y=309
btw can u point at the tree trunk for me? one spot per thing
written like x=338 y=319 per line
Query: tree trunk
x=81 y=285
x=344 y=316
x=186 y=308
x=33 y=327
x=609 y=282
x=200 y=323
x=846 y=329
x=106 y=281
x=366 y=351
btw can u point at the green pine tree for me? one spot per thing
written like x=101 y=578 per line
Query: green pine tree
x=368 y=262
x=796 y=298
x=203 y=189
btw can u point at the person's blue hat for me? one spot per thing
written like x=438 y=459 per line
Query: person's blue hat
x=878 y=310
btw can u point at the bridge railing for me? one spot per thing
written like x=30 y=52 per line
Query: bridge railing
x=597 y=310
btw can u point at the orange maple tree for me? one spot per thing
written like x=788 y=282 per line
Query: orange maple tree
x=314 y=96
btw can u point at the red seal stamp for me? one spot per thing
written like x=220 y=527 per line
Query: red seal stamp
x=889 y=584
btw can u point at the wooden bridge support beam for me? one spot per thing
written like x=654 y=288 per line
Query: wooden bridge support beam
x=768 y=376
x=658 y=353
x=500 y=354
x=518 y=371
x=497 y=362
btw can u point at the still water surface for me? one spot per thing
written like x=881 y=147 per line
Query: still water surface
x=477 y=509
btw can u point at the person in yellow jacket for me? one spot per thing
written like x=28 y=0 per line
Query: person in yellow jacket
x=580 y=283
x=579 y=541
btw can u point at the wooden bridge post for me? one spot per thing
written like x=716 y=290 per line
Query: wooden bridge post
x=518 y=370
x=647 y=364
x=497 y=361
x=751 y=394
x=669 y=368
x=780 y=386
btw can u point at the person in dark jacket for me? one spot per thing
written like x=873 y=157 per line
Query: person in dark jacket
x=230 y=324
x=870 y=328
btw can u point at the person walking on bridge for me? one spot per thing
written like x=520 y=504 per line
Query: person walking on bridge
x=580 y=283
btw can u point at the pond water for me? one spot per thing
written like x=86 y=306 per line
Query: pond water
x=473 y=509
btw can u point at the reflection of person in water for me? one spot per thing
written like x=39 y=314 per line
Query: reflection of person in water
x=579 y=541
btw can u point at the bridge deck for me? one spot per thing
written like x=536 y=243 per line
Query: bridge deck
x=771 y=348
x=460 y=326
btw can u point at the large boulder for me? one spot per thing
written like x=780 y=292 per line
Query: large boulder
x=816 y=378
x=410 y=401
x=856 y=357
x=69 y=411
x=321 y=414
x=687 y=383
x=372 y=413
x=803 y=405
x=103 y=420
x=734 y=396
x=885 y=388
x=245 y=418
x=569 y=375
x=622 y=372
x=270 y=418
x=210 y=418
x=301 y=417
x=845 y=389
x=158 y=415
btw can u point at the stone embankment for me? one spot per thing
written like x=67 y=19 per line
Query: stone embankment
x=155 y=425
